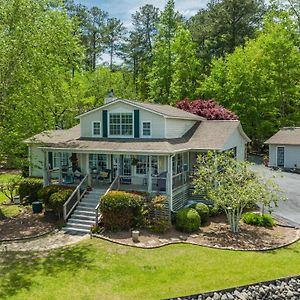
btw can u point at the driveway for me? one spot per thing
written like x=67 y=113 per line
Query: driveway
x=288 y=210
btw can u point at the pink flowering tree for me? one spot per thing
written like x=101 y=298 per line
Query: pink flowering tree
x=208 y=109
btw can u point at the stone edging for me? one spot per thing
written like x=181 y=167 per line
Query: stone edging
x=196 y=244
x=27 y=238
x=232 y=289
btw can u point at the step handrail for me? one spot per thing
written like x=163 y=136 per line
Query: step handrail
x=79 y=196
x=117 y=179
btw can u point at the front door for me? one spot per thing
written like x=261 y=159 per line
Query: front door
x=280 y=156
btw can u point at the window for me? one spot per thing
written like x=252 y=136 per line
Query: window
x=147 y=129
x=98 y=161
x=60 y=159
x=141 y=167
x=120 y=124
x=96 y=128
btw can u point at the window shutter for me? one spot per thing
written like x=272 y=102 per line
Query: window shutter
x=50 y=160
x=105 y=121
x=136 y=123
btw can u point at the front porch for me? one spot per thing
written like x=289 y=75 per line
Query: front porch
x=162 y=174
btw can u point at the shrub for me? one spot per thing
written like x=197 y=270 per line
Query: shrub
x=203 y=211
x=121 y=210
x=214 y=210
x=29 y=188
x=187 y=220
x=57 y=200
x=45 y=193
x=158 y=218
x=257 y=219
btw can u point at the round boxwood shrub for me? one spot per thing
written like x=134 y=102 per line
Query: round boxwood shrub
x=58 y=199
x=257 y=219
x=121 y=210
x=203 y=211
x=29 y=188
x=187 y=220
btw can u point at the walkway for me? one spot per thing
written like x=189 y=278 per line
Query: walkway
x=49 y=242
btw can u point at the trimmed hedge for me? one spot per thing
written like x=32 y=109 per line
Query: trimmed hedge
x=257 y=219
x=203 y=211
x=121 y=210
x=46 y=192
x=58 y=199
x=29 y=188
x=187 y=220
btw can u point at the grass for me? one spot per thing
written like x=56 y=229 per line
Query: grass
x=11 y=210
x=95 y=269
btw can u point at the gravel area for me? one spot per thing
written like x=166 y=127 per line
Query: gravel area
x=283 y=289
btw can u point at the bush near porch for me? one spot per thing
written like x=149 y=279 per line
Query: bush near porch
x=29 y=188
x=121 y=210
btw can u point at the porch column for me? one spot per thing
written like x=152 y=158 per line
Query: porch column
x=150 y=175
x=87 y=169
x=45 y=169
x=169 y=182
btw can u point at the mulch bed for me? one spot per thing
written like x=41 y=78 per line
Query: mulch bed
x=26 y=225
x=216 y=233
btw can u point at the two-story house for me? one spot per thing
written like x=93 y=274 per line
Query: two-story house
x=148 y=147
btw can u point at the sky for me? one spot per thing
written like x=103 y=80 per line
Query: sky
x=123 y=9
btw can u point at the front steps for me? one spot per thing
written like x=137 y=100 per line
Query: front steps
x=84 y=215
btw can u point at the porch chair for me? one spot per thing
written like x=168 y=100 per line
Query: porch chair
x=104 y=175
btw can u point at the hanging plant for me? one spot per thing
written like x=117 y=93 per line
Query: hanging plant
x=134 y=161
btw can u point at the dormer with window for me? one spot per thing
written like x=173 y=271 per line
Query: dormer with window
x=121 y=118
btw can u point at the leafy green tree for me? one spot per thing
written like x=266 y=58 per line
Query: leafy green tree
x=260 y=82
x=186 y=65
x=160 y=77
x=224 y=25
x=38 y=52
x=113 y=38
x=233 y=186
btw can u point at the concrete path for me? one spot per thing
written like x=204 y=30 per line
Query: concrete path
x=288 y=210
x=49 y=242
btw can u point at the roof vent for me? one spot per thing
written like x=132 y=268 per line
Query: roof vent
x=110 y=97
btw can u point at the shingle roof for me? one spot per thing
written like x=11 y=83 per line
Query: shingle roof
x=286 y=136
x=205 y=135
x=166 y=110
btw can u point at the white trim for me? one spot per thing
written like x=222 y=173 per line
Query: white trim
x=96 y=135
x=280 y=146
x=142 y=130
x=120 y=136
x=196 y=118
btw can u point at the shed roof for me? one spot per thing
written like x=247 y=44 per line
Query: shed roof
x=285 y=136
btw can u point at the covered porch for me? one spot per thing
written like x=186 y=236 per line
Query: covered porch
x=143 y=172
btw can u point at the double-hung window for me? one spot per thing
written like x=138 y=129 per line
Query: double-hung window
x=96 y=128
x=147 y=129
x=120 y=124
x=60 y=159
x=142 y=165
x=98 y=161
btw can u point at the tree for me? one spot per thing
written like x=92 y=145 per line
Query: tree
x=113 y=37
x=37 y=55
x=9 y=189
x=232 y=185
x=260 y=82
x=160 y=77
x=138 y=49
x=186 y=66
x=208 y=109
x=224 y=25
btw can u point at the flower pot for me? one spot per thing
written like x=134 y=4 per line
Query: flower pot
x=135 y=236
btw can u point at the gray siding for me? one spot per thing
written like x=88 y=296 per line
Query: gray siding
x=176 y=128
x=291 y=156
x=36 y=161
x=238 y=141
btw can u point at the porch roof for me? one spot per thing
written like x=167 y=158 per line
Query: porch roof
x=204 y=135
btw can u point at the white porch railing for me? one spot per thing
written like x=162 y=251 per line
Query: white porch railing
x=114 y=186
x=180 y=179
x=75 y=197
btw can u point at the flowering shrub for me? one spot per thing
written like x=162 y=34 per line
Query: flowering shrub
x=208 y=109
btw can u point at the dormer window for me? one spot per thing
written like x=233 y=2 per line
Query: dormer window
x=120 y=124
x=147 y=129
x=96 y=129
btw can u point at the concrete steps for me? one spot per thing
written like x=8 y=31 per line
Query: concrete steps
x=84 y=215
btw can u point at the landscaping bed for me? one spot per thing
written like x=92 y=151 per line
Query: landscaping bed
x=215 y=233
x=26 y=225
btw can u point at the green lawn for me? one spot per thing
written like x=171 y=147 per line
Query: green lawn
x=95 y=269
x=12 y=210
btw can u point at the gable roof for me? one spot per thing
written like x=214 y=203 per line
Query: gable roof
x=285 y=136
x=205 y=135
x=164 y=110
